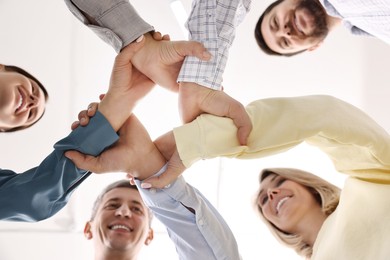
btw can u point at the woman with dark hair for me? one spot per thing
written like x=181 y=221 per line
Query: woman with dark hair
x=42 y=191
x=22 y=99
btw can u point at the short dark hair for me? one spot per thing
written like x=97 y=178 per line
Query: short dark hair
x=115 y=185
x=28 y=75
x=259 y=36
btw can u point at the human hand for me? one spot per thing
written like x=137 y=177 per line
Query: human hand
x=133 y=153
x=85 y=115
x=195 y=100
x=167 y=147
x=127 y=86
x=175 y=168
x=161 y=60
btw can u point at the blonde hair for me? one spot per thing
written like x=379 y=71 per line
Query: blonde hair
x=326 y=194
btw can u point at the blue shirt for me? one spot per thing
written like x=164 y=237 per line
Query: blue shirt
x=362 y=17
x=203 y=234
x=42 y=191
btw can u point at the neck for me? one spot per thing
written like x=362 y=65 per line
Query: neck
x=311 y=226
x=115 y=255
x=332 y=22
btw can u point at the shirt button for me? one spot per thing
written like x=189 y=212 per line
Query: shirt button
x=152 y=190
x=166 y=187
x=200 y=222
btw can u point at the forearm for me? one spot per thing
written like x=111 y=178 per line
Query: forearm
x=42 y=191
x=346 y=134
x=212 y=23
x=114 y=21
x=191 y=220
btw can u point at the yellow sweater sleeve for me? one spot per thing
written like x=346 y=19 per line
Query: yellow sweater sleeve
x=356 y=144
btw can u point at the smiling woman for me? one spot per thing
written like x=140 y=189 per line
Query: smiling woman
x=290 y=200
x=22 y=99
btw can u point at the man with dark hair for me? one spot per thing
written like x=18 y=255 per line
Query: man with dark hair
x=289 y=27
x=120 y=223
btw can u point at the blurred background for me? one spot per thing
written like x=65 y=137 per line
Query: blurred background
x=74 y=64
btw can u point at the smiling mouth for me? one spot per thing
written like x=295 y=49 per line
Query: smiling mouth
x=280 y=204
x=120 y=227
x=297 y=26
x=21 y=101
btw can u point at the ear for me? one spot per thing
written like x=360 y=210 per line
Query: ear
x=149 y=238
x=312 y=48
x=87 y=230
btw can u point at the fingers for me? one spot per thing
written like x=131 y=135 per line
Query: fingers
x=82 y=161
x=124 y=57
x=192 y=48
x=174 y=170
x=74 y=125
x=101 y=96
x=159 y=37
x=131 y=179
x=244 y=125
x=92 y=108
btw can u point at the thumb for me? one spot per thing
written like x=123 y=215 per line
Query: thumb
x=129 y=51
x=83 y=161
x=174 y=169
x=192 y=48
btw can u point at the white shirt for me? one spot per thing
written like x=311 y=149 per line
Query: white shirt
x=203 y=235
x=362 y=17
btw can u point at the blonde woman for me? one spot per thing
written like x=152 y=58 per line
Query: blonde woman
x=356 y=227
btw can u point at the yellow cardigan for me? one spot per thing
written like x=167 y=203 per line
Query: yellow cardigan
x=357 y=145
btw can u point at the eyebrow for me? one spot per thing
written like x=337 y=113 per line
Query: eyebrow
x=273 y=178
x=119 y=199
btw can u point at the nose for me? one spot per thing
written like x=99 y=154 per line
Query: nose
x=287 y=29
x=123 y=211
x=33 y=101
x=272 y=193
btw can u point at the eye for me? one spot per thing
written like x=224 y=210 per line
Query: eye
x=112 y=206
x=137 y=210
x=264 y=200
x=30 y=113
x=286 y=43
x=280 y=182
x=276 y=23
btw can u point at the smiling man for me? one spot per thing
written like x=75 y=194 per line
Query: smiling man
x=120 y=223
x=289 y=27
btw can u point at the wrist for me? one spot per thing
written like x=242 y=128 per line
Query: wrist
x=116 y=109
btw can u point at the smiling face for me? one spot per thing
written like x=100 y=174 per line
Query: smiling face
x=121 y=225
x=22 y=101
x=294 y=25
x=285 y=203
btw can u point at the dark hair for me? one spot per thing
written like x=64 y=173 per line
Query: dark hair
x=115 y=185
x=28 y=75
x=259 y=36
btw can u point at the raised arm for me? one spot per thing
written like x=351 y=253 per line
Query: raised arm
x=186 y=213
x=212 y=23
x=41 y=192
x=346 y=134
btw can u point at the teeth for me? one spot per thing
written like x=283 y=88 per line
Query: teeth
x=297 y=25
x=115 y=227
x=280 y=203
x=20 y=101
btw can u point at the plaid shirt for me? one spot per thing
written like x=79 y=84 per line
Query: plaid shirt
x=214 y=24
x=362 y=17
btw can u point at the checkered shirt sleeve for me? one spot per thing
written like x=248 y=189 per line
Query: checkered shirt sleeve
x=213 y=23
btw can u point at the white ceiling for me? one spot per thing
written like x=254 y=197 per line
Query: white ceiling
x=75 y=65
